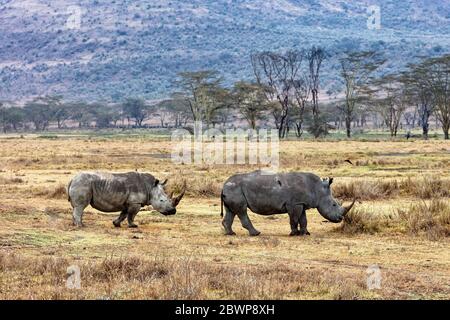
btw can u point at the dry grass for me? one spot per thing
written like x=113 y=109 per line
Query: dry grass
x=360 y=221
x=432 y=218
x=429 y=218
x=427 y=187
x=366 y=190
x=160 y=278
x=58 y=192
x=186 y=255
x=15 y=180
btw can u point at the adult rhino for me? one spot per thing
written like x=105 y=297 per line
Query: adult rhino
x=125 y=192
x=267 y=194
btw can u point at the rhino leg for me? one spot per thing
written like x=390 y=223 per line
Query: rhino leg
x=228 y=221
x=132 y=212
x=303 y=223
x=78 y=215
x=294 y=218
x=246 y=223
x=120 y=218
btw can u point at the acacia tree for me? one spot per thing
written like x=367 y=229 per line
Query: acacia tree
x=58 y=109
x=136 y=109
x=203 y=94
x=356 y=69
x=439 y=84
x=39 y=113
x=250 y=101
x=416 y=80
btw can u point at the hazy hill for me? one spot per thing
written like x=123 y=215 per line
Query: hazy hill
x=136 y=48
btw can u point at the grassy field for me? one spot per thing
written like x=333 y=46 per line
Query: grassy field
x=401 y=224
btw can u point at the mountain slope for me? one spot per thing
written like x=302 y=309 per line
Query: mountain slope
x=133 y=48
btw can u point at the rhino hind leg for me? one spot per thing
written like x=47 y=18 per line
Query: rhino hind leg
x=78 y=216
x=120 y=218
x=132 y=212
x=227 y=222
x=247 y=224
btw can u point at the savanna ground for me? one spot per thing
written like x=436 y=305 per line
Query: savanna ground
x=400 y=224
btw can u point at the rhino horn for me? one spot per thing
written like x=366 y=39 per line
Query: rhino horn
x=176 y=200
x=348 y=208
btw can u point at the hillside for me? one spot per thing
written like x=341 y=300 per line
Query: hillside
x=136 y=48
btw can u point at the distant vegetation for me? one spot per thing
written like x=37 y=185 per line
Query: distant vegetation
x=285 y=93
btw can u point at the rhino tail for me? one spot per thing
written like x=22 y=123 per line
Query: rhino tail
x=68 y=189
x=221 y=204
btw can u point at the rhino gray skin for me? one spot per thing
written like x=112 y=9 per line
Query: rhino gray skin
x=125 y=192
x=268 y=194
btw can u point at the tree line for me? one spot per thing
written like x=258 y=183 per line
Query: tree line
x=285 y=92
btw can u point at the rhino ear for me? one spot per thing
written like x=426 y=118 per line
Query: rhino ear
x=330 y=181
x=156 y=182
x=164 y=182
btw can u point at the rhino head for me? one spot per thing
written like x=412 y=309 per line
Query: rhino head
x=328 y=207
x=163 y=203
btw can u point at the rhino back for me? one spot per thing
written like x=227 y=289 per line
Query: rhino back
x=273 y=193
x=110 y=192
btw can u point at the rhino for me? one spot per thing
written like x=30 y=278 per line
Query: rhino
x=267 y=194
x=124 y=192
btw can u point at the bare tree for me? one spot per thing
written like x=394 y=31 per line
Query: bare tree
x=417 y=83
x=279 y=75
x=316 y=56
x=392 y=102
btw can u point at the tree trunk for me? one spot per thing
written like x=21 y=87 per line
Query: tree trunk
x=348 y=125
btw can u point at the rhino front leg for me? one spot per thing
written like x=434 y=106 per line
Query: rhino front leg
x=132 y=212
x=247 y=224
x=294 y=212
x=303 y=223
x=120 y=218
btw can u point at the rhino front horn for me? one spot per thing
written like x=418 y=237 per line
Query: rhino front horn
x=176 y=200
x=347 y=209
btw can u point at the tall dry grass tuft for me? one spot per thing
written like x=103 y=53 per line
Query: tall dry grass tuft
x=426 y=187
x=58 y=192
x=432 y=219
x=360 y=221
x=366 y=190
x=15 y=180
x=197 y=186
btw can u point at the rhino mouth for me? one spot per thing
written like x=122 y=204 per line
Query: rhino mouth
x=170 y=212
